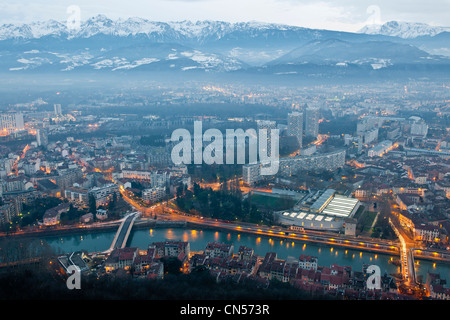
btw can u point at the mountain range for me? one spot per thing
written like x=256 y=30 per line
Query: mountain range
x=406 y=30
x=101 y=44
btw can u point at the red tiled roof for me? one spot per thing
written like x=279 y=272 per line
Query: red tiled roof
x=126 y=256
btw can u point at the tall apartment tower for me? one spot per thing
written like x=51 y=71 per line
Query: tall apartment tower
x=42 y=137
x=269 y=125
x=10 y=122
x=312 y=122
x=57 y=108
x=251 y=173
x=295 y=126
x=419 y=128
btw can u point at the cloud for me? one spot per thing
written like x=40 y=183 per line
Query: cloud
x=431 y=12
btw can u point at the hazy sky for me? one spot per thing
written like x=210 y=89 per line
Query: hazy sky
x=346 y=15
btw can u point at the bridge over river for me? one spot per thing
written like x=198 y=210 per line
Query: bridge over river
x=122 y=234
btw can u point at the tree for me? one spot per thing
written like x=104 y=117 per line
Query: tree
x=71 y=215
x=92 y=204
x=197 y=189
x=180 y=190
x=172 y=265
x=255 y=215
x=112 y=203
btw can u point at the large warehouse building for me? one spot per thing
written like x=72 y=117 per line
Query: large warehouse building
x=321 y=210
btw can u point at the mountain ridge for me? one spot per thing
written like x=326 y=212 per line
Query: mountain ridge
x=402 y=29
x=131 y=26
x=138 y=44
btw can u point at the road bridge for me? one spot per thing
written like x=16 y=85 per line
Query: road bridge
x=121 y=237
x=406 y=258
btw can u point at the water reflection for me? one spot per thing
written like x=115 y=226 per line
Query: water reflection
x=198 y=239
x=194 y=235
x=169 y=235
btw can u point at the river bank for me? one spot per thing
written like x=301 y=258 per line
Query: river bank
x=112 y=227
x=84 y=229
x=198 y=239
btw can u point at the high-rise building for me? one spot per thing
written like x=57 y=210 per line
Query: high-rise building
x=269 y=126
x=371 y=135
x=153 y=194
x=322 y=161
x=380 y=149
x=11 y=122
x=160 y=178
x=42 y=136
x=57 y=108
x=367 y=123
x=419 y=129
x=251 y=173
x=295 y=126
x=312 y=122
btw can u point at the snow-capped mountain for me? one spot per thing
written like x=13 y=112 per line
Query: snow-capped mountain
x=100 y=24
x=249 y=41
x=147 y=57
x=103 y=45
x=405 y=30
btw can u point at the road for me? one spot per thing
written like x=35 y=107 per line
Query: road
x=123 y=231
x=165 y=211
x=407 y=245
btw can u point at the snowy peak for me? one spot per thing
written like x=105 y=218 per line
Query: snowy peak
x=101 y=24
x=197 y=31
x=201 y=29
x=33 y=30
x=136 y=44
x=405 y=30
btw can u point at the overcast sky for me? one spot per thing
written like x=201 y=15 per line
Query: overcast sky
x=345 y=15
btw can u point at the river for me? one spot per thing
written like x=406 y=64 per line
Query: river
x=327 y=255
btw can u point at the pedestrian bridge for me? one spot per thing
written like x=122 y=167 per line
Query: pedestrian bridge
x=121 y=237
